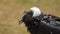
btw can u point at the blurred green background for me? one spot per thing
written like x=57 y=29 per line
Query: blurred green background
x=12 y=10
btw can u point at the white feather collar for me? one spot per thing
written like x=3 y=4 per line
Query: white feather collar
x=36 y=11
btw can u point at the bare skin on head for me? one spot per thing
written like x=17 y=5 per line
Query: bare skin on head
x=32 y=12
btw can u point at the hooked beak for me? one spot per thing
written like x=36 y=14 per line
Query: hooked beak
x=22 y=19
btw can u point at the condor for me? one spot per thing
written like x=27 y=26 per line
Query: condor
x=39 y=23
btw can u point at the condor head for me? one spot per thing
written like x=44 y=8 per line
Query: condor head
x=28 y=14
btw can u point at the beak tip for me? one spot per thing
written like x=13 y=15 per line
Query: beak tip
x=20 y=21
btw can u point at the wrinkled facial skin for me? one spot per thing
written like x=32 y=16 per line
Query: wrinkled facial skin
x=26 y=16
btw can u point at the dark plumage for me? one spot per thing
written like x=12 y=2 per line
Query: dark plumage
x=42 y=24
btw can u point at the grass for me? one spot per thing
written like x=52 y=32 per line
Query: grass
x=12 y=10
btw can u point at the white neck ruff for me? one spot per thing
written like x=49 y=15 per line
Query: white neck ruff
x=36 y=11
